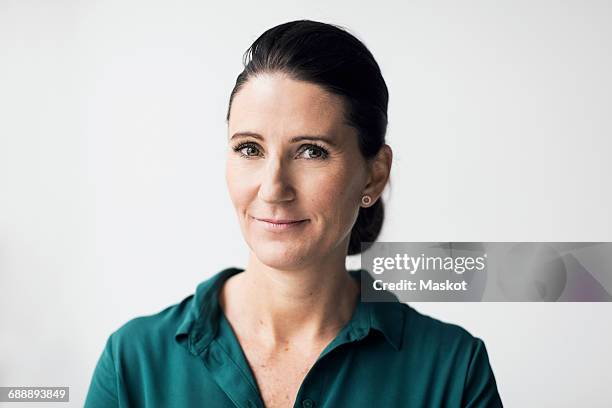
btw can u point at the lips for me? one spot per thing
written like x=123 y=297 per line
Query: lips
x=279 y=221
x=280 y=224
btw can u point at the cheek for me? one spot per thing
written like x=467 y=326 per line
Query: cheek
x=239 y=185
x=334 y=198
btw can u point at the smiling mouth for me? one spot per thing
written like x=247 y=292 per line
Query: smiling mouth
x=279 y=221
x=279 y=225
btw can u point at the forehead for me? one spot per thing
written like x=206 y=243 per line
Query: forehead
x=277 y=104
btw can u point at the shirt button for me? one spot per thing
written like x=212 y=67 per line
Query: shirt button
x=307 y=403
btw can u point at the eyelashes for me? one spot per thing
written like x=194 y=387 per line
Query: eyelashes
x=321 y=151
x=242 y=146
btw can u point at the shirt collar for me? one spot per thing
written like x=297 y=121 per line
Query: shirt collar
x=201 y=322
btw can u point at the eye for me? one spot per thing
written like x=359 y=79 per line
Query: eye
x=315 y=152
x=245 y=150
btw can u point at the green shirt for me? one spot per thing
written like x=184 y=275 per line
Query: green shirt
x=387 y=355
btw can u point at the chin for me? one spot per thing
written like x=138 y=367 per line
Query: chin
x=280 y=255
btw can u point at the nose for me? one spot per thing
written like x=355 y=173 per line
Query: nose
x=275 y=184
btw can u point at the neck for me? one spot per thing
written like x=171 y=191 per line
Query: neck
x=305 y=305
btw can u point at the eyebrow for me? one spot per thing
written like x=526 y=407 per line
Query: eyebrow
x=294 y=139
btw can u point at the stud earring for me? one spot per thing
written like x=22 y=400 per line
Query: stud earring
x=366 y=200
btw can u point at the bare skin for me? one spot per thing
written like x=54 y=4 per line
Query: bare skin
x=279 y=352
x=295 y=293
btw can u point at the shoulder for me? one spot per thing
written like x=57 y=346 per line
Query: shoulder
x=152 y=331
x=456 y=358
x=159 y=332
x=435 y=336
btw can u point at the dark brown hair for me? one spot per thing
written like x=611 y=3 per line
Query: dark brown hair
x=329 y=56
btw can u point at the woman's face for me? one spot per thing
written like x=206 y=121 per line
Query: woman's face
x=275 y=172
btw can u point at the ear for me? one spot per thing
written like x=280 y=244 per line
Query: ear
x=380 y=169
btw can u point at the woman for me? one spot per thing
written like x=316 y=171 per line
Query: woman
x=307 y=163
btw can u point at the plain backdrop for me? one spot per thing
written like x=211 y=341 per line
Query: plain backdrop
x=113 y=201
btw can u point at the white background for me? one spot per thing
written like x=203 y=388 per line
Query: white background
x=113 y=202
